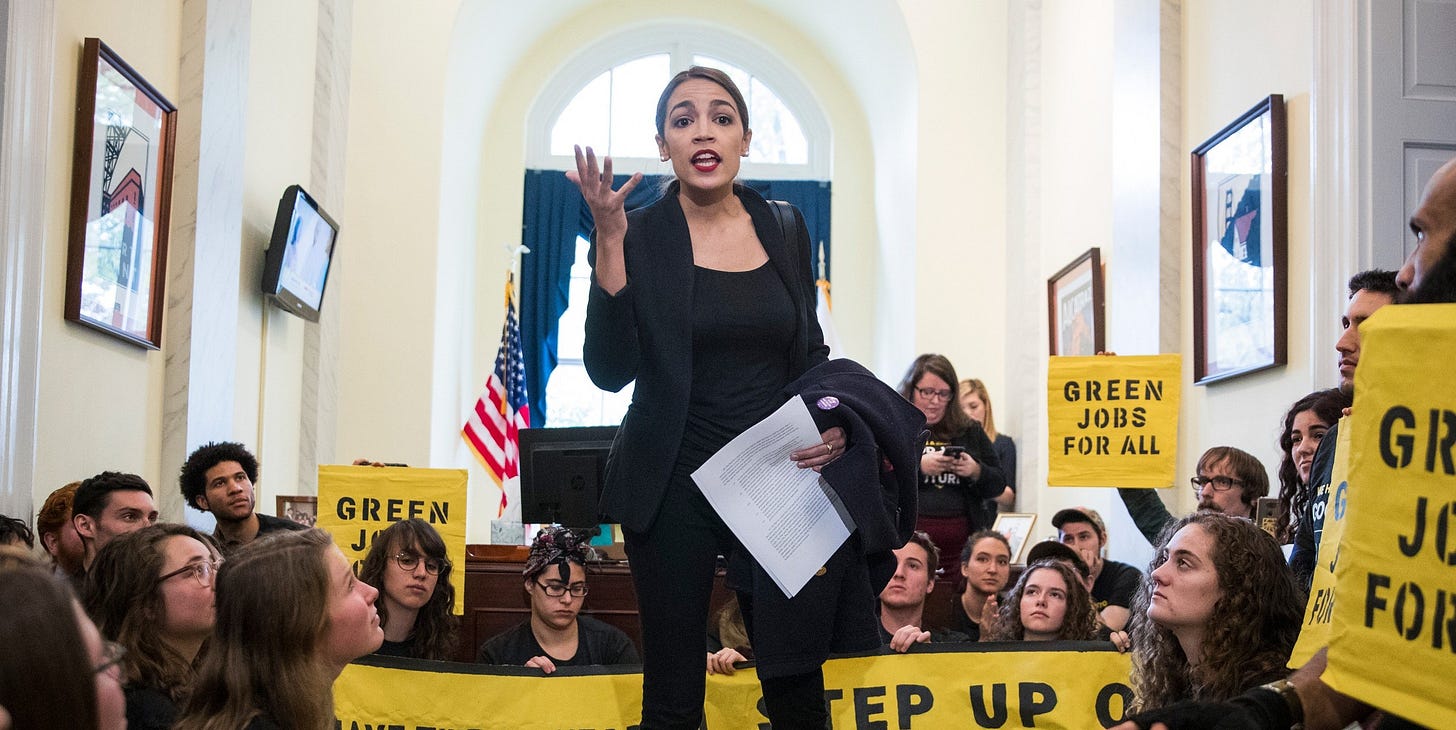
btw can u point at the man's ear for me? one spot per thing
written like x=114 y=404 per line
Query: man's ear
x=84 y=526
x=200 y=502
x=51 y=541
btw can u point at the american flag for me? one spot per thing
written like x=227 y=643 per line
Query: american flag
x=502 y=411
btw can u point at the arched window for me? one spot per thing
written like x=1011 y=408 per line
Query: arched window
x=607 y=99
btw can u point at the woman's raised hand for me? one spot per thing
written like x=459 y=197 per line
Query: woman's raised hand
x=608 y=206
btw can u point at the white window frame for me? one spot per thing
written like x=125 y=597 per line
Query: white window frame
x=681 y=41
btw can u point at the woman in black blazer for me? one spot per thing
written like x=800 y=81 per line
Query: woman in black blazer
x=701 y=300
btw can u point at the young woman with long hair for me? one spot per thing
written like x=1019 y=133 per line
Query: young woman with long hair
x=408 y=566
x=1049 y=603
x=56 y=671
x=290 y=616
x=975 y=400
x=151 y=591
x=1218 y=614
x=959 y=470
x=1304 y=428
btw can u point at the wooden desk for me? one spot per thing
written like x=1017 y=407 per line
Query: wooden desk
x=495 y=600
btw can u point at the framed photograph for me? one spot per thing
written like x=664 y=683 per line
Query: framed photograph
x=1240 y=267
x=121 y=200
x=303 y=510
x=1075 y=307
x=1016 y=526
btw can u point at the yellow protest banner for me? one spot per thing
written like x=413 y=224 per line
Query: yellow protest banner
x=1314 y=633
x=1113 y=421
x=1393 y=641
x=356 y=502
x=986 y=687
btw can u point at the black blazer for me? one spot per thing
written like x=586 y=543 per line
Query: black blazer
x=644 y=333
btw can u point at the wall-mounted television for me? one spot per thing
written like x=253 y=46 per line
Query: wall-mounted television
x=296 y=265
x=562 y=471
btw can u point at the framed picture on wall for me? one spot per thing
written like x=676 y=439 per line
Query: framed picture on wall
x=1075 y=307
x=303 y=510
x=1016 y=526
x=1240 y=269
x=121 y=199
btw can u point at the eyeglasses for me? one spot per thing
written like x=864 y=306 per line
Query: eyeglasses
x=203 y=572
x=111 y=654
x=1220 y=483
x=557 y=590
x=933 y=394
x=408 y=561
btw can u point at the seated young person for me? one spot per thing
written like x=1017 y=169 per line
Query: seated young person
x=555 y=636
x=1049 y=603
x=290 y=616
x=151 y=591
x=1218 y=614
x=902 y=602
x=986 y=566
x=727 y=638
x=407 y=564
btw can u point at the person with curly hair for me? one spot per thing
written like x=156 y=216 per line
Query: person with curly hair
x=407 y=563
x=1305 y=426
x=555 y=636
x=1218 y=614
x=151 y=591
x=219 y=477
x=1049 y=603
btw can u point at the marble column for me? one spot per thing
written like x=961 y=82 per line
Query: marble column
x=28 y=33
x=1026 y=287
x=318 y=413
x=203 y=290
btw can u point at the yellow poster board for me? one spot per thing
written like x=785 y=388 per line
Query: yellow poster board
x=1113 y=421
x=1006 y=689
x=356 y=502
x=1393 y=642
x=1319 y=611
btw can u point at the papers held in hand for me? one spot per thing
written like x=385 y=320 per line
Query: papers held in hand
x=788 y=518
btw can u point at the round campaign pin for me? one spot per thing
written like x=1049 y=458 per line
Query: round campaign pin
x=827 y=403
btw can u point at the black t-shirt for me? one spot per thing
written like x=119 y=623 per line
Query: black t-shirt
x=148 y=708
x=598 y=643
x=1116 y=585
x=404 y=648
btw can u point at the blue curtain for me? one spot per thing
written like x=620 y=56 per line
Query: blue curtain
x=555 y=215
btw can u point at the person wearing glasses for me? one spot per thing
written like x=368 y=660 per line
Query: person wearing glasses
x=556 y=636
x=959 y=469
x=1229 y=480
x=151 y=591
x=407 y=564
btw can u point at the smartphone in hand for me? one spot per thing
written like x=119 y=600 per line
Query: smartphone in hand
x=954 y=452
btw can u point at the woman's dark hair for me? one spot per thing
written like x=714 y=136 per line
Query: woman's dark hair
x=1248 y=636
x=1327 y=406
x=436 y=634
x=1080 y=621
x=14 y=529
x=124 y=597
x=704 y=73
x=979 y=535
x=955 y=421
x=46 y=677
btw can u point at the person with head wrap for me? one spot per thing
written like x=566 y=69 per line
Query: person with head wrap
x=555 y=635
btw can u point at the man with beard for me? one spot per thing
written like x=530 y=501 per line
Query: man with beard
x=219 y=478
x=1428 y=277
x=1229 y=480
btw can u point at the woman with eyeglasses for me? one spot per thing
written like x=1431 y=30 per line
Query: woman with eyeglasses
x=290 y=616
x=151 y=591
x=407 y=563
x=555 y=636
x=959 y=470
x=56 y=671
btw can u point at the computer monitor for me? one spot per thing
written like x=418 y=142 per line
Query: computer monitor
x=562 y=470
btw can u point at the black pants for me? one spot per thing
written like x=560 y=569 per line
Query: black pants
x=672 y=570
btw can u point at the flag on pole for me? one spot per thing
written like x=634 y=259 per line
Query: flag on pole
x=822 y=308
x=502 y=410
